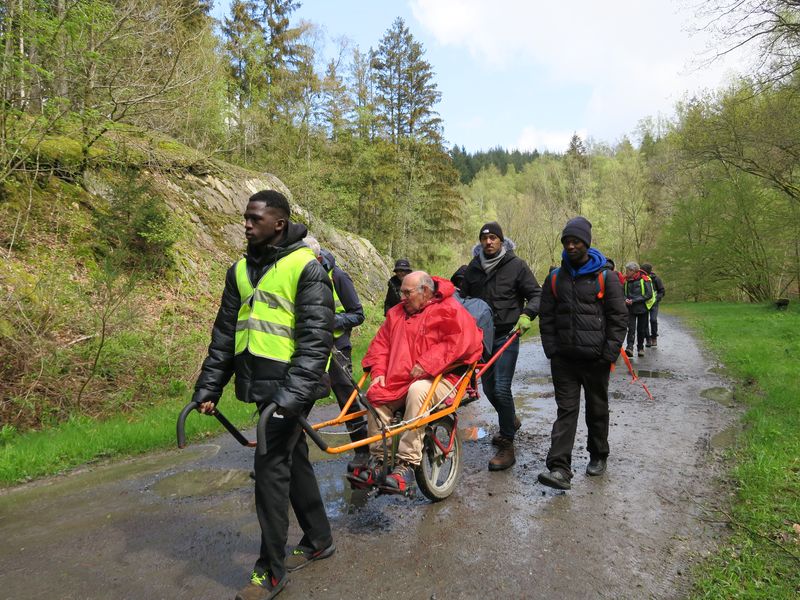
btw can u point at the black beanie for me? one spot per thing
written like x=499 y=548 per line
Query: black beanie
x=492 y=227
x=580 y=228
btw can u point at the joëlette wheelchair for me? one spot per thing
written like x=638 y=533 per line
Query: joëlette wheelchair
x=440 y=467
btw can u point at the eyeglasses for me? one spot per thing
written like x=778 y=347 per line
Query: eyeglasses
x=407 y=293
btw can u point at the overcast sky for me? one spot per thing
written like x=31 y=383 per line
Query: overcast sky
x=528 y=73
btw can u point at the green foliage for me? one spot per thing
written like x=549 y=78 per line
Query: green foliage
x=406 y=90
x=78 y=317
x=139 y=229
x=140 y=417
x=78 y=440
x=760 y=347
x=469 y=164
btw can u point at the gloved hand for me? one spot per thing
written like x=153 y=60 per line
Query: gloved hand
x=523 y=324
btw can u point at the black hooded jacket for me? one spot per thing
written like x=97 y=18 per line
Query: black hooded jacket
x=293 y=386
x=575 y=323
x=393 y=297
x=510 y=289
x=353 y=314
x=659 y=285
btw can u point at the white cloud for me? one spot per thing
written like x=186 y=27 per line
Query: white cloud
x=553 y=141
x=635 y=56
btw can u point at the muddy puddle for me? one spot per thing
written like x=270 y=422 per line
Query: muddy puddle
x=201 y=483
x=648 y=374
x=536 y=380
x=725 y=439
x=720 y=395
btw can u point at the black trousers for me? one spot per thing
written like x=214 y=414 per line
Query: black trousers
x=284 y=475
x=340 y=372
x=654 y=321
x=638 y=326
x=569 y=376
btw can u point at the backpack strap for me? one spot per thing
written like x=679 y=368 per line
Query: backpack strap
x=553 y=275
x=601 y=283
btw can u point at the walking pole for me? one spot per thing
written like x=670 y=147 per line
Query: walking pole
x=634 y=377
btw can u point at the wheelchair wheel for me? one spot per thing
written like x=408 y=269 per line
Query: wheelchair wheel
x=437 y=474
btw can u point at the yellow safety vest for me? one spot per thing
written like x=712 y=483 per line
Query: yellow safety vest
x=265 y=326
x=337 y=304
x=648 y=302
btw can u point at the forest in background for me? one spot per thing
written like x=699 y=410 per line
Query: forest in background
x=710 y=196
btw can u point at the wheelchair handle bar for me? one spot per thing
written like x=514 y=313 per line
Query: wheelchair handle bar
x=219 y=416
x=261 y=440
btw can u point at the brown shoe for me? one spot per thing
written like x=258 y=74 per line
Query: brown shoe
x=654 y=342
x=497 y=437
x=504 y=457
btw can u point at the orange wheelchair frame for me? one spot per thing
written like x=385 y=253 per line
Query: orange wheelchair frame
x=438 y=472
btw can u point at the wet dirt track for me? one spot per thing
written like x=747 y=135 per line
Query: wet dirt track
x=182 y=524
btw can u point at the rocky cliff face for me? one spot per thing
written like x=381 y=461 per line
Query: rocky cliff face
x=213 y=205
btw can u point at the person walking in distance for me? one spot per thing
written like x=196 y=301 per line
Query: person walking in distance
x=639 y=297
x=401 y=268
x=505 y=282
x=582 y=321
x=658 y=285
x=348 y=314
x=274 y=331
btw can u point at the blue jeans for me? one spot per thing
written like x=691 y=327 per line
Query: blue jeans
x=497 y=385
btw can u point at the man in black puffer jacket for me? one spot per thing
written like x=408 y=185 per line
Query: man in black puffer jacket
x=583 y=321
x=505 y=282
x=274 y=331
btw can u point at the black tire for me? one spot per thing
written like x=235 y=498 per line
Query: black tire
x=436 y=475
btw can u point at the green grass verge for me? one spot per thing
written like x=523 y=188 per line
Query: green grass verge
x=80 y=440
x=760 y=348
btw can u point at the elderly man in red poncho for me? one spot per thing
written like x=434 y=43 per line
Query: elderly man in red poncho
x=422 y=336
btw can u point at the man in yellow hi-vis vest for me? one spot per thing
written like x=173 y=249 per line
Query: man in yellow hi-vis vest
x=274 y=331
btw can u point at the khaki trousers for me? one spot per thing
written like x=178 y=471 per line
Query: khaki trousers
x=410 y=447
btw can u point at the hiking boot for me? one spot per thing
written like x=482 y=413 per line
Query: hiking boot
x=596 y=467
x=262 y=587
x=640 y=351
x=629 y=351
x=505 y=455
x=648 y=342
x=400 y=480
x=497 y=437
x=654 y=342
x=360 y=459
x=555 y=479
x=300 y=556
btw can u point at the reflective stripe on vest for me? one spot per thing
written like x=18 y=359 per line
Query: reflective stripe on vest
x=649 y=301
x=265 y=326
x=337 y=305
